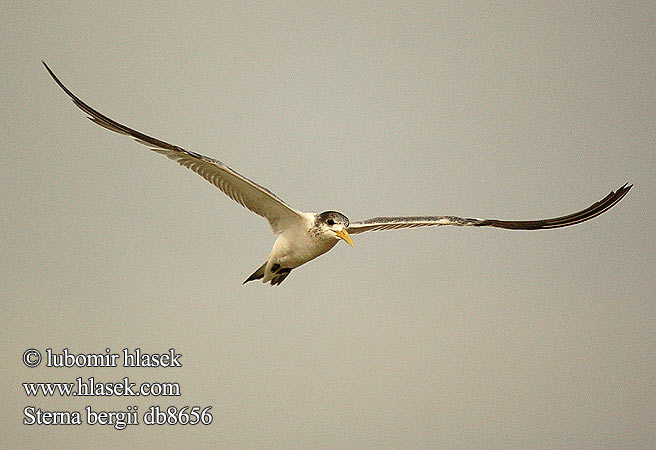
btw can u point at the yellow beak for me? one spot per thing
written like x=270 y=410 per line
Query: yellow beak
x=344 y=235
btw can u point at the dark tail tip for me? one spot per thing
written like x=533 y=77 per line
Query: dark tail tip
x=257 y=275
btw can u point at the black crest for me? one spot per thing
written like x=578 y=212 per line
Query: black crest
x=332 y=217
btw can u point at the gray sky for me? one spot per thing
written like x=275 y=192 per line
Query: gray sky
x=432 y=338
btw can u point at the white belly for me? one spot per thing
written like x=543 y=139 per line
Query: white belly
x=294 y=249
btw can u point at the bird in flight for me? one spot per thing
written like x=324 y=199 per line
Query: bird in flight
x=304 y=236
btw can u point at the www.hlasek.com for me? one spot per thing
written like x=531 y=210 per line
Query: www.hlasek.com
x=90 y=387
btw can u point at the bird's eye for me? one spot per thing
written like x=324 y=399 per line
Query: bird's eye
x=330 y=222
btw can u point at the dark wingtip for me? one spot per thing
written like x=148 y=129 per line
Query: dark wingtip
x=590 y=212
x=61 y=85
x=48 y=69
x=621 y=192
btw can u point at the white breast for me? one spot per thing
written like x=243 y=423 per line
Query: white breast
x=296 y=246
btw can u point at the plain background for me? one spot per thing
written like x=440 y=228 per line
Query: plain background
x=432 y=338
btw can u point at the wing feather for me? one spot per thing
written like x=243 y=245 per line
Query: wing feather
x=394 y=223
x=247 y=193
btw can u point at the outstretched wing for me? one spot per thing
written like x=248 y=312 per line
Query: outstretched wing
x=393 y=223
x=239 y=188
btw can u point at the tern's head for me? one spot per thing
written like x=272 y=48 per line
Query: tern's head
x=333 y=224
